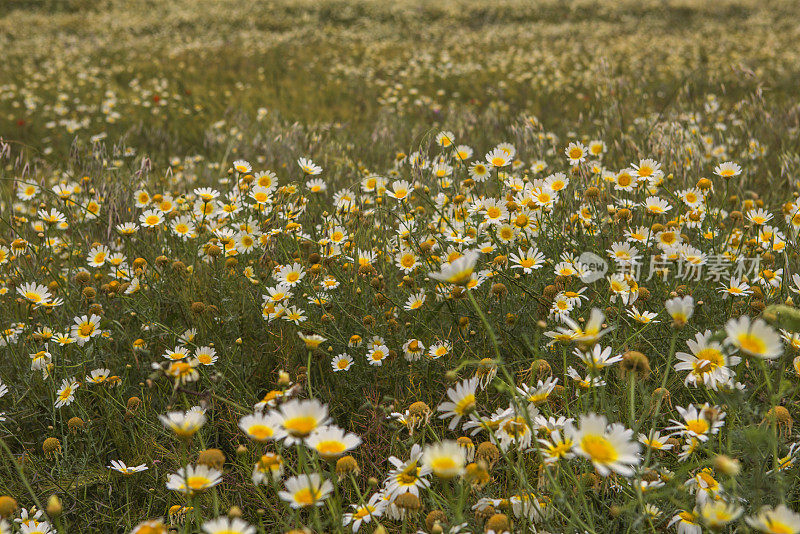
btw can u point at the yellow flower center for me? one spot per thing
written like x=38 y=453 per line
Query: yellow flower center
x=752 y=344
x=698 y=426
x=197 y=482
x=86 y=329
x=306 y=496
x=330 y=448
x=599 y=449
x=301 y=425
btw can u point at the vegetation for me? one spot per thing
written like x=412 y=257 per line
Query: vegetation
x=394 y=267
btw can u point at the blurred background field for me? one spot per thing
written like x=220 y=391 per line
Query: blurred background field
x=162 y=73
x=109 y=97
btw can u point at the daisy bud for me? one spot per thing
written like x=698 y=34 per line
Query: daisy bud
x=212 y=458
x=498 y=523
x=779 y=416
x=54 y=507
x=347 y=465
x=408 y=502
x=488 y=452
x=725 y=464
x=435 y=517
x=235 y=511
x=379 y=529
x=75 y=424
x=51 y=447
x=8 y=506
x=133 y=403
x=637 y=363
x=591 y=193
x=283 y=378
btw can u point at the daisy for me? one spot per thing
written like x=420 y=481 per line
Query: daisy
x=494 y=211
x=151 y=218
x=439 y=349
x=479 y=171
x=98 y=376
x=269 y=467
x=309 y=167
x=458 y=272
x=623 y=253
x=686 y=522
x=655 y=441
x=445 y=139
x=498 y=158
x=528 y=260
x=716 y=514
x=415 y=301
x=513 y=428
x=625 y=180
x=754 y=338
x=97 y=256
x=407 y=261
x=445 y=459
x=699 y=424
x=241 y=166
x=227 y=525
x=85 y=328
x=576 y=153
x=413 y=350
x=540 y=392
x=289 y=274
x=643 y=317
x=680 y=309
x=206 y=355
x=401 y=189
x=66 y=393
x=759 y=216
x=778 y=520
x=591 y=333
x=329 y=283
x=597 y=358
x=707 y=363
x=556 y=446
x=331 y=442
x=178 y=353
x=408 y=476
x=299 y=418
x=608 y=447
x=462 y=401
x=656 y=206
x=727 y=169
x=364 y=513
x=118 y=465
x=262 y=427
x=306 y=490
x=342 y=362
x=649 y=170
x=34 y=293
x=193 y=479
x=184 y=424
x=376 y=355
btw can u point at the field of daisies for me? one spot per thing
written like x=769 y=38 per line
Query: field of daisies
x=363 y=266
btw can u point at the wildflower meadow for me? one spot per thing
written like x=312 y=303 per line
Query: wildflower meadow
x=295 y=266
